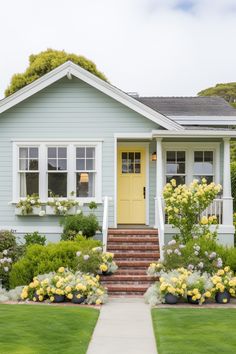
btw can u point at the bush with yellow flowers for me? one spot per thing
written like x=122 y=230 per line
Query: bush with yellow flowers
x=173 y=282
x=108 y=265
x=199 y=287
x=155 y=268
x=224 y=280
x=64 y=284
x=184 y=206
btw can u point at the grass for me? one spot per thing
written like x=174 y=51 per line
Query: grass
x=195 y=331
x=36 y=329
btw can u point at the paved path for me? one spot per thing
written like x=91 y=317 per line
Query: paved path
x=124 y=327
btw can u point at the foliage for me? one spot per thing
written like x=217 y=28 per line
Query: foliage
x=87 y=225
x=40 y=259
x=92 y=205
x=42 y=63
x=34 y=238
x=108 y=265
x=185 y=204
x=154 y=269
x=46 y=329
x=27 y=204
x=230 y=258
x=65 y=283
x=227 y=91
x=10 y=252
x=203 y=254
x=62 y=206
x=199 y=286
x=173 y=282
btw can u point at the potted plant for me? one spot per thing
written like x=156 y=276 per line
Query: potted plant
x=154 y=269
x=59 y=206
x=172 y=285
x=108 y=265
x=224 y=285
x=199 y=287
x=31 y=205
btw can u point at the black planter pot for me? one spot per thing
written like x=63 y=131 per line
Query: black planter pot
x=75 y=300
x=191 y=301
x=171 y=299
x=222 y=298
x=59 y=298
x=36 y=297
x=106 y=273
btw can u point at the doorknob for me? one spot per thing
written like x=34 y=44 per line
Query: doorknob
x=144 y=192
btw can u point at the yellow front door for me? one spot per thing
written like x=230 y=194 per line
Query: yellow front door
x=131 y=191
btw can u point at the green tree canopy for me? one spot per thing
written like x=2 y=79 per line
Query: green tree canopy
x=227 y=91
x=40 y=64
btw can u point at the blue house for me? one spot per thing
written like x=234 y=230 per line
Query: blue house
x=71 y=131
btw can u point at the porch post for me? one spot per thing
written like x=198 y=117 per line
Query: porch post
x=159 y=174
x=227 y=197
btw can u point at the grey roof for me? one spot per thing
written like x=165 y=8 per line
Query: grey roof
x=189 y=106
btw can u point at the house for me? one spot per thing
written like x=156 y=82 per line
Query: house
x=71 y=131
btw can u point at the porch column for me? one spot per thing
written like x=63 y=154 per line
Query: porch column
x=159 y=176
x=227 y=196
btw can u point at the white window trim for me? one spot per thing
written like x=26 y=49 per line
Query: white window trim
x=71 y=167
x=189 y=148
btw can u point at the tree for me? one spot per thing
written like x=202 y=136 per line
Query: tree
x=227 y=91
x=40 y=64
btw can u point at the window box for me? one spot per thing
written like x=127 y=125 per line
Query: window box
x=35 y=211
x=51 y=211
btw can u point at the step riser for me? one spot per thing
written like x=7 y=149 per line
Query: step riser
x=132 y=232
x=126 y=240
x=136 y=255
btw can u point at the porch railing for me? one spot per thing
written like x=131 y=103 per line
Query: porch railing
x=215 y=208
x=160 y=223
x=105 y=222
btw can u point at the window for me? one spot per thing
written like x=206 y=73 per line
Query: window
x=85 y=171
x=176 y=166
x=203 y=165
x=28 y=168
x=57 y=171
x=131 y=162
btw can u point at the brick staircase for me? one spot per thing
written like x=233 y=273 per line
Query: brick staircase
x=134 y=250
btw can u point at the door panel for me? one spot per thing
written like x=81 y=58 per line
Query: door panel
x=131 y=178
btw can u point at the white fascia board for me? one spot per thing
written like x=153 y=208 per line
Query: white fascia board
x=194 y=133
x=204 y=120
x=92 y=80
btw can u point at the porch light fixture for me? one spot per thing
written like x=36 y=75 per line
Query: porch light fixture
x=154 y=156
x=84 y=178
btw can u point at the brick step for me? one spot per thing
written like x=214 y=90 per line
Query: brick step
x=126 y=277
x=130 y=271
x=132 y=232
x=133 y=264
x=127 y=240
x=120 y=289
x=125 y=247
x=131 y=255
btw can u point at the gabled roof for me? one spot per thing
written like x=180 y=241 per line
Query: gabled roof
x=211 y=111
x=70 y=69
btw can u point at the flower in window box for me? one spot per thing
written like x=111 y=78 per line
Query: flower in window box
x=29 y=205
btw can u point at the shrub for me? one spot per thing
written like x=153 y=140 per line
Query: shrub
x=185 y=204
x=230 y=257
x=79 y=223
x=34 y=238
x=40 y=259
x=7 y=240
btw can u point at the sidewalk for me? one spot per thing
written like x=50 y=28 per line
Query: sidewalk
x=124 y=327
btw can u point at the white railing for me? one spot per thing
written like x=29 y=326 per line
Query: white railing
x=105 y=222
x=215 y=208
x=160 y=223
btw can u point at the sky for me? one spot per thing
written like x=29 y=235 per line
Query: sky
x=152 y=47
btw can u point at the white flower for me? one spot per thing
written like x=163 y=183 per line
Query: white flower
x=196 y=253
x=78 y=253
x=212 y=255
x=65 y=208
x=219 y=263
x=80 y=233
x=78 y=212
x=181 y=246
x=200 y=265
x=9 y=260
x=5 y=252
x=86 y=257
x=60 y=208
x=6 y=269
x=169 y=251
x=190 y=267
x=38 y=201
x=58 y=203
x=81 y=204
x=32 y=201
x=42 y=213
x=172 y=242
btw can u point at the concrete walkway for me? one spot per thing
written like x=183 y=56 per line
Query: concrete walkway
x=124 y=327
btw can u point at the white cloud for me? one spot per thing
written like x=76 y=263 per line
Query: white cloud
x=154 y=47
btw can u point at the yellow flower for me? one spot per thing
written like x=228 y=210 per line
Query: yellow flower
x=103 y=267
x=227 y=269
x=61 y=270
x=40 y=298
x=34 y=299
x=98 y=302
x=224 y=300
x=51 y=298
x=207 y=294
x=68 y=289
x=70 y=296
x=204 y=220
x=220 y=272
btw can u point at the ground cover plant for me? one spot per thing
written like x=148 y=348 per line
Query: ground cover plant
x=27 y=329
x=195 y=331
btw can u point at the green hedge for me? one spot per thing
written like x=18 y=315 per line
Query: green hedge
x=40 y=259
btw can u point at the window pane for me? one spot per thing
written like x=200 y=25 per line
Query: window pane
x=137 y=168
x=62 y=152
x=33 y=164
x=171 y=168
x=170 y=156
x=57 y=184
x=80 y=164
x=33 y=153
x=181 y=156
x=62 y=164
x=52 y=153
x=124 y=168
x=90 y=164
x=124 y=157
x=208 y=156
x=85 y=184
x=23 y=152
x=208 y=178
x=23 y=164
x=131 y=168
x=198 y=156
x=90 y=152
x=179 y=179
x=181 y=168
x=137 y=157
x=52 y=164
x=80 y=152
x=131 y=157
x=29 y=184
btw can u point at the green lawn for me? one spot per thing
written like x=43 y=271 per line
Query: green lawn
x=195 y=331
x=37 y=329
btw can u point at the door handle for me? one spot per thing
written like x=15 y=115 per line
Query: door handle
x=144 y=192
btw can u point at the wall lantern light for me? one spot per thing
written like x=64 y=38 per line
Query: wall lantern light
x=154 y=156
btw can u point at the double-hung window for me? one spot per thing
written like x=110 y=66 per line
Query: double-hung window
x=176 y=166
x=85 y=171
x=203 y=166
x=28 y=170
x=57 y=171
